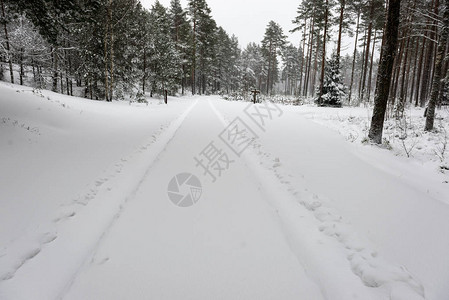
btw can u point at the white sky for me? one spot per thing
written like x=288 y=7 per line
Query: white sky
x=247 y=19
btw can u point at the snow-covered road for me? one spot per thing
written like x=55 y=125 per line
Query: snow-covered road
x=272 y=225
x=228 y=246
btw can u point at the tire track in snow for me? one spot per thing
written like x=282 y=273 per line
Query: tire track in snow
x=158 y=149
x=306 y=221
x=24 y=248
x=74 y=238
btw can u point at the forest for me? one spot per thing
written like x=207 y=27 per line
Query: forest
x=112 y=49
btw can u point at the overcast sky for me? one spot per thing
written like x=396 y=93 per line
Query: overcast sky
x=247 y=19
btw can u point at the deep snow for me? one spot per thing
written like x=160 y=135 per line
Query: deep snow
x=302 y=214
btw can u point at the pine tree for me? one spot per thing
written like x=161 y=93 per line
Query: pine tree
x=203 y=39
x=164 y=60
x=332 y=89
x=224 y=67
x=290 y=74
x=251 y=65
x=180 y=30
x=272 y=44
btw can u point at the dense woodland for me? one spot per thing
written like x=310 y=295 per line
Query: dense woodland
x=111 y=48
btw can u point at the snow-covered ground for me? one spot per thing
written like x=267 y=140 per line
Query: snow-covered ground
x=302 y=213
x=404 y=137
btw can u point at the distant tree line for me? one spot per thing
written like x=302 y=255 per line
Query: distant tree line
x=113 y=47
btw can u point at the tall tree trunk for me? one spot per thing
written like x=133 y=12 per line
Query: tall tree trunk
x=340 y=29
x=418 y=75
x=402 y=90
x=407 y=72
x=353 y=57
x=363 y=67
x=183 y=80
x=315 y=64
x=429 y=61
x=269 y=69
x=61 y=82
x=438 y=68
x=368 y=43
x=193 y=75
x=302 y=57
x=22 y=73
x=144 y=79
x=54 y=54
x=33 y=64
x=309 y=57
x=370 y=76
x=385 y=70
x=323 y=59
x=412 y=89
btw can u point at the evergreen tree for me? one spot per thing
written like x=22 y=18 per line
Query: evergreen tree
x=272 y=44
x=252 y=67
x=180 y=30
x=203 y=40
x=164 y=59
x=290 y=74
x=333 y=89
x=225 y=64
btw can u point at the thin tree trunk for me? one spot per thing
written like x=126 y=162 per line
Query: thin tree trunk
x=62 y=83
x=309 y=64
x=353 y=57
x=55 y=69
x=269 y=69
x=33 y=64
x=402 y=91
x=22 y=73
x=302 y=57
x=370 y=76
x=315 y=64
x=323 y=59
x=193 y=79
x=368 y=43
x=144 y=69
x=407 y=72
x=412 y=89
x=420 y=66
x=340 y=29
x=67 y=72
x=363 y=67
